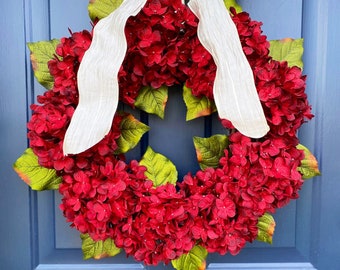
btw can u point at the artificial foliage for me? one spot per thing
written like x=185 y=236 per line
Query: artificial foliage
x=140 y=206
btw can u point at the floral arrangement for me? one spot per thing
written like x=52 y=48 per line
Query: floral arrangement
x=140 y=206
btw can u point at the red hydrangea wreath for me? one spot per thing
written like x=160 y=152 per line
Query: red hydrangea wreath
x=217 y=208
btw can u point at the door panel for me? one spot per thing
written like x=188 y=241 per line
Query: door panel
x=14 y=196
x=38 y=232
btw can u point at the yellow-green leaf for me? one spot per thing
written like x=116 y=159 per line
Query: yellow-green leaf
x=41 y=53
x=288 y=49
x=102 y=8
x=210 y=150
x=266 y=227
x=160 y=170
x=309 y=165
x=152 y=100
x=197 y=107
x=234 y=4
x=34 y=175
x=132 y=131
x=97 y=249
x=194 y=260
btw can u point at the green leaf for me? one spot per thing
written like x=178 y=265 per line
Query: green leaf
x=197 y=107
x=210 y=150
x=97 y=249
x=36 y=176
x=131 y=132
x=160 y=170
x=266 y=227
x=309 y=165
x=152 y=100
x=233 y=3
x=41 y=53
x=194 y=260
x=102 y=8
x=288 y=49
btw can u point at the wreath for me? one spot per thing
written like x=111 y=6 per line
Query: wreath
x=140 y=206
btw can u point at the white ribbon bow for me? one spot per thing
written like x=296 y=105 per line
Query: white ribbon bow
x=234 y=89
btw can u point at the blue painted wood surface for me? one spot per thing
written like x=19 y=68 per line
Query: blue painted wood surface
x=33 y=232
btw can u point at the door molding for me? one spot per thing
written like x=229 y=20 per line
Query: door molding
x=212 y=266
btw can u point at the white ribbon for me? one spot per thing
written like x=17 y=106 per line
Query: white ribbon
x=234 y=89
x=98 y=80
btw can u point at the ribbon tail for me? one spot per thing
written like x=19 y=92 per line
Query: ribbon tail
x=98 y=80
x=234 y=89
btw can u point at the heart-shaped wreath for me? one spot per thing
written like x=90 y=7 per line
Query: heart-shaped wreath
x=139 y=206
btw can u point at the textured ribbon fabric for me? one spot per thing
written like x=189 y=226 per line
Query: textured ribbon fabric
x=234 y=89
x=98 y=80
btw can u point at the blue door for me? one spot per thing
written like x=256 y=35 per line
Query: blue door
x=33 y=231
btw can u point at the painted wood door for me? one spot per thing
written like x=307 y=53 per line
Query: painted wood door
x=33 y=232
